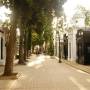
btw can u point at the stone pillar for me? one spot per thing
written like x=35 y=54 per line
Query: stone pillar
x=72 y=45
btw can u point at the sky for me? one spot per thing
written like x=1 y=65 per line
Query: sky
x=69 y=8
x=70 y=5
x=4 y=11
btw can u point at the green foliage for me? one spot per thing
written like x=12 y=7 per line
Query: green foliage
x=87 y=19
x=35 y=15
x=82 y=12
x=35 y=38
x=50 y=49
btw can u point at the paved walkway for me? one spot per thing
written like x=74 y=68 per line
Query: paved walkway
x=45 y=73
x=85 y=68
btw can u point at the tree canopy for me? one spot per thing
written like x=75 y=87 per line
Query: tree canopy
x=30 y=15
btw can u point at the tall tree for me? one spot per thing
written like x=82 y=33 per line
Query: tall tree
x=24 y=10
x=10 y=45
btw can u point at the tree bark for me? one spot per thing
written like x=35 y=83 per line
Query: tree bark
x=25 y=46
x=21 y=47
x=29 y=40
x=10 y=51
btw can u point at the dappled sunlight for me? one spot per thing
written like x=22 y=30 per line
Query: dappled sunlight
x=48 y=57
x=39 y=60
x=75 y=82
x=12 y=84
x=23 y=76
x=80 y=71
x=7 y=84
x=38 y=66
x=88 y=80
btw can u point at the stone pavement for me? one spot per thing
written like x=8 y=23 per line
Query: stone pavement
x=85 y=68
x=73 y=63
x=45 y=73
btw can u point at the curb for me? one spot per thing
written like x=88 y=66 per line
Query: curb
x=75 y=65
x=78 y=66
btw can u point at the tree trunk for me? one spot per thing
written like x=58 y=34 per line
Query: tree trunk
x=25 y=46
x=10 y=51
x=21 y=47
x=29 y=40
x=32 y=49
x=46 y=45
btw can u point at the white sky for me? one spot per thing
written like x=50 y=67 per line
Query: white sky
x=4 y=11
x=69 y=8
x=70 y=5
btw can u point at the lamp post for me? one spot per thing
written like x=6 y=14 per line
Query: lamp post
x=59 y=26
x=59 y=47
